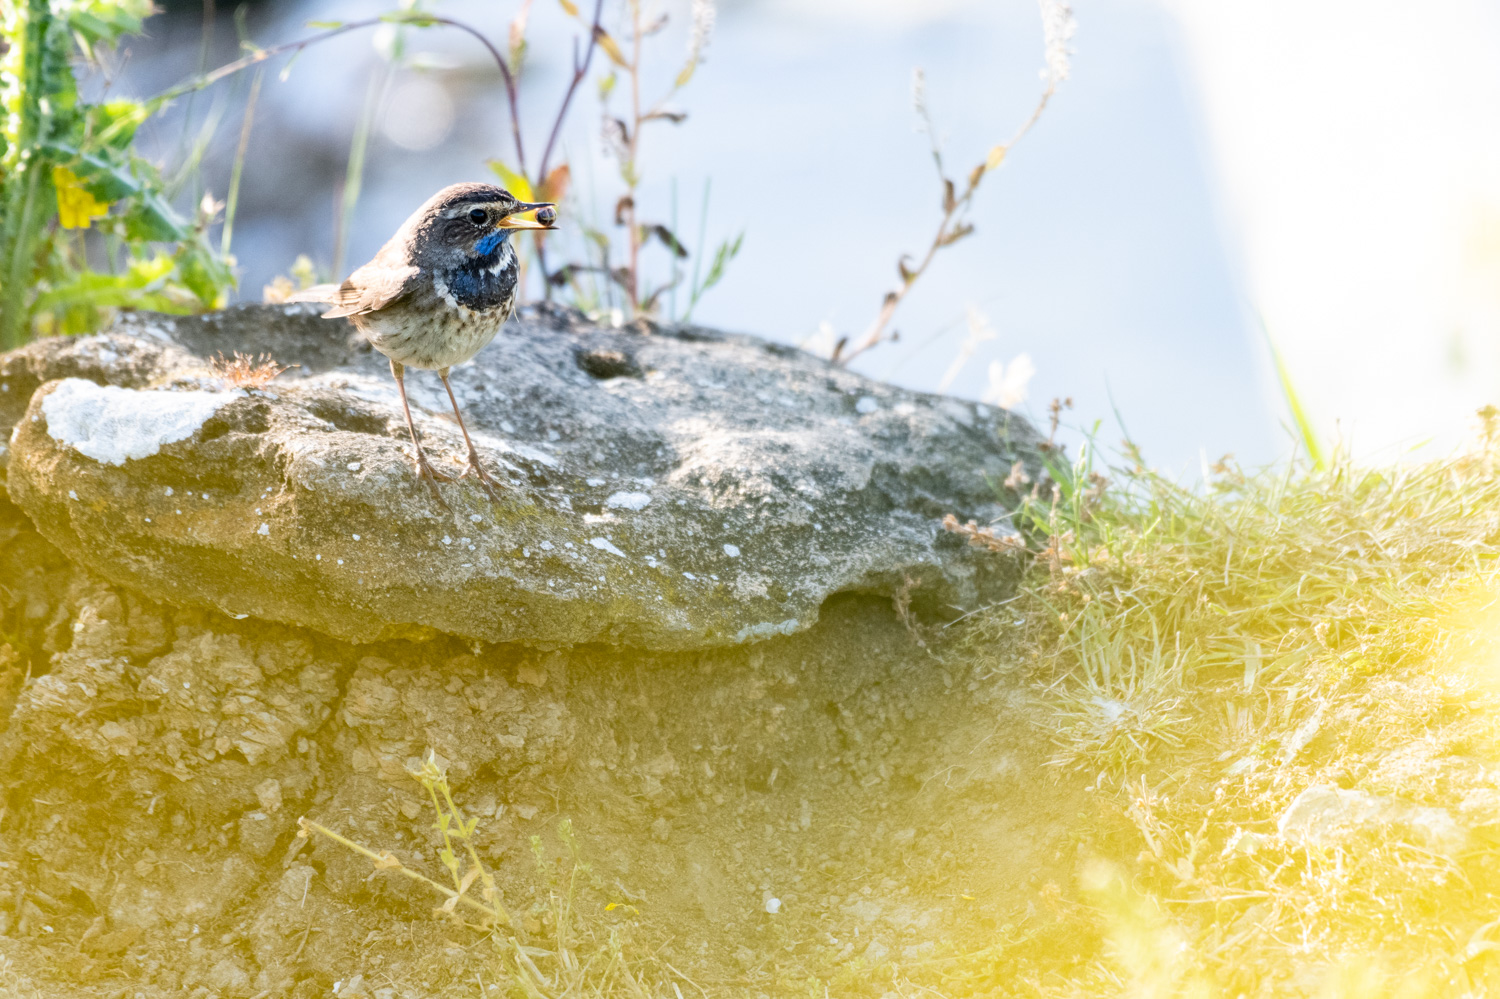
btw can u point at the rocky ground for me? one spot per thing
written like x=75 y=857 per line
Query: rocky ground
x=726 y=748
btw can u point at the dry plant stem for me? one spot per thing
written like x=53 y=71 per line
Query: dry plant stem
x=580 y=73
x=946 y=228
x=389 y=861
x=261 y=55
x=231 y=202
x=634 y=146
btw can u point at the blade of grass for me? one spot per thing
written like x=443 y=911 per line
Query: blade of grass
x=1300 y=417
x=232 y=199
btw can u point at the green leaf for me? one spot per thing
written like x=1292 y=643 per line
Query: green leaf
x=107 y=20
x=1300 y=416
x=416 y=18
x=726 y=252
x=151 y=220
x=206 y=274
x=102 y=179
x=143 y=285
x=113 y=125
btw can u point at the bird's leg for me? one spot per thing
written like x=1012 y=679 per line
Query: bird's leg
x=425 y=471
x=489 y=485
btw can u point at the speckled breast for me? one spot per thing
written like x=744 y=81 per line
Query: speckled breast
x=450 y=320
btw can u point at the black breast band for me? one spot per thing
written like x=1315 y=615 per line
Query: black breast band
x=474 y=286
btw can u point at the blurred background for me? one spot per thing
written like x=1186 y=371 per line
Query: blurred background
x=1214 y=178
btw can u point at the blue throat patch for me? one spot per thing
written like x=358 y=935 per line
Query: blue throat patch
x=491 y=242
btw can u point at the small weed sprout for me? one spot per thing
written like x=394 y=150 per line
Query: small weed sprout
x=581 y=960
x=246 y=372
x=453 y=828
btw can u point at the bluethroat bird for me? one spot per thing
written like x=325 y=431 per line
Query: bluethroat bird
x=438 y=292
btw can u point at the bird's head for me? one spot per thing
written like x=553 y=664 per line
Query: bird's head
x=472 y=220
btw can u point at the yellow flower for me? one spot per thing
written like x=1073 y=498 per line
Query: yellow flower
x=76 y=207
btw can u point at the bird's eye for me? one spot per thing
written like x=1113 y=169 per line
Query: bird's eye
x=478 y=215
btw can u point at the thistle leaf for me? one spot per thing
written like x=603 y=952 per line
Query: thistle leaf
x=514 y=182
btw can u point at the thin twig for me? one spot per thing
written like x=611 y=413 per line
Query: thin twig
x=634 y=147
x=580 y=73
x=203 y=80
x=951 y=228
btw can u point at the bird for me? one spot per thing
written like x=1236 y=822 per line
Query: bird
x=437 y=293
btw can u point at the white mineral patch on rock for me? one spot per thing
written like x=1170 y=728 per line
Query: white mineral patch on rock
x=113 y=425
x=766 y=629
x=604 y=546
x=628 y=501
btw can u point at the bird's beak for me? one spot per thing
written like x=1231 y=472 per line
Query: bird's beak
x=542 y=215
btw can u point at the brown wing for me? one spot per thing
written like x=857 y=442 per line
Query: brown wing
x=372 y=287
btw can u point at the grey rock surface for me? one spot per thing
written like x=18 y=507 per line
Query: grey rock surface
x=669 y=488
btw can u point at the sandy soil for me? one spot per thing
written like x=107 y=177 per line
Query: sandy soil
x=748 y=820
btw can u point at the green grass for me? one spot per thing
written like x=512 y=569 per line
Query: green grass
x=1200 y=658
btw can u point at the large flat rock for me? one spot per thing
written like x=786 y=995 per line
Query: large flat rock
x=664 y=488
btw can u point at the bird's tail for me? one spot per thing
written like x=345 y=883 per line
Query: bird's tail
x=328 y=294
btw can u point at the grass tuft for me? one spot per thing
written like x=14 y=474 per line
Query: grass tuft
x=1203 y=657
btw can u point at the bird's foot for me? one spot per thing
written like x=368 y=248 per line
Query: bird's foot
x=432 y=477
x=486 y=481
